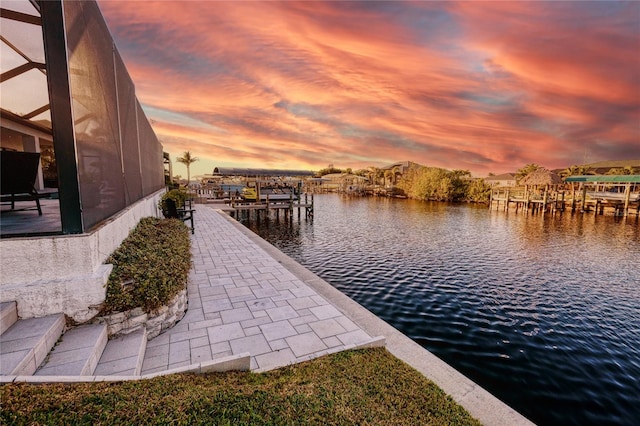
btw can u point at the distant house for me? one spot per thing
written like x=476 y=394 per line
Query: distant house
x=604 y=167
x=393 y=172
x=338 y=182
x=401 y=166
x=505 y=179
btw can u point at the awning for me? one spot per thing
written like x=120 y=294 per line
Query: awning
x=228 y=171
x=605 y=179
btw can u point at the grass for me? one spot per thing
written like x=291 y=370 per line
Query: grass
x=364 y=387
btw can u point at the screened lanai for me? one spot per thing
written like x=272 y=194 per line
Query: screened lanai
x=66 y=95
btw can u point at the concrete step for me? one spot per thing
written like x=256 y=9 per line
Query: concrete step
x=26 y=344
x=123 y=355
x=8 y=315
x=77 y=353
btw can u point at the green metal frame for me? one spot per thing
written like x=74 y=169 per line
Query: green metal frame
x=605 y=179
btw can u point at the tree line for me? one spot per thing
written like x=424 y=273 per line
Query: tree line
x=433 y=183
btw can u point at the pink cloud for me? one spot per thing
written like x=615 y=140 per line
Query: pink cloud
x=484 y=86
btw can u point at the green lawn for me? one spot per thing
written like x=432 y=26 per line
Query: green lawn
x=354 y=387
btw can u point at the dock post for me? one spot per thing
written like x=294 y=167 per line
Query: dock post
x=627 y=197
x=291 y=205
x=506 y=203
x=584 y=198
x=267 y=210
x=545 y=199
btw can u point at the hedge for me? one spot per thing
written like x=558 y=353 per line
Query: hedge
x=150 y=267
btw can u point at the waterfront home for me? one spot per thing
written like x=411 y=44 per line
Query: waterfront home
x=503 y=180
x=341 y=182
x=99 y=166
x=605 y=167
x=393 y=172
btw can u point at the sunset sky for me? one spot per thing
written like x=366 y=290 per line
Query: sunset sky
x=483 y=86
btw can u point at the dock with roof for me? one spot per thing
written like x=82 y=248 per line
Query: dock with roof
x=615 y=194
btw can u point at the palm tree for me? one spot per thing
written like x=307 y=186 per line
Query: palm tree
x=387 y=177
x=373 y=174
x=626 y=170
x=187 y=160
x=526 y=170
x=395 y=171
x=379 y=176
x=575 y=171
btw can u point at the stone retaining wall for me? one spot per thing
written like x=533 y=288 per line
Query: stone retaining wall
x=120 y=323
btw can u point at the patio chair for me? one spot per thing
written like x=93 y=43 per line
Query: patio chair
x=183 y=214
x=19 y=173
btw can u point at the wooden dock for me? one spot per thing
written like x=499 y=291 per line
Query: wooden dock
x=524 y=199
x=559 y=199
x=237 y=206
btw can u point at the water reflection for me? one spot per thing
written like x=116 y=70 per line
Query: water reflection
x=542 y=311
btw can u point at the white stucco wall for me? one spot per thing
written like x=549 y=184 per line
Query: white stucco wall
x=47 y=275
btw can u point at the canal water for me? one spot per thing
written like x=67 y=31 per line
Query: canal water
x=542 y=311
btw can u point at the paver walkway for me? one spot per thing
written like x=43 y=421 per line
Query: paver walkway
x=242 y=300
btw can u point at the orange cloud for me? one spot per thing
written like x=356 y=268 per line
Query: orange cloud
x=483 y=86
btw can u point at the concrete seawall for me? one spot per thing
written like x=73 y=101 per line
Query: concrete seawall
x=480 y=403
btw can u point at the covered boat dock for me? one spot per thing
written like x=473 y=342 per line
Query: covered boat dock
x=232 y=171
x=616 y=194
x=616 y=191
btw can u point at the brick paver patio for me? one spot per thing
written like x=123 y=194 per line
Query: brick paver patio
x=242 y=300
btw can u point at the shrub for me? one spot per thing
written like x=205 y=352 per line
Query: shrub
x=177 y=195
x=432 y=183
x=150 y=267
x=479 y=191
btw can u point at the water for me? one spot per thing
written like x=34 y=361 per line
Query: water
x=542 y=311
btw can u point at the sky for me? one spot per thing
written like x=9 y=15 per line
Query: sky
x=482 y=86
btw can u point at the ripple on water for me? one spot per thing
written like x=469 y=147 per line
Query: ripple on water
x=543 y=312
